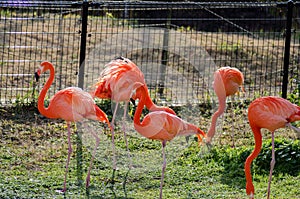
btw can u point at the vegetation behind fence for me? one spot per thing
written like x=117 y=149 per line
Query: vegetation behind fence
x=177 y=45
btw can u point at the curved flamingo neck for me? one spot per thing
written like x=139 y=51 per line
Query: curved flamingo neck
x=143 y=92
x=218 y=113
x=140 y=107
x=41 y=107
x=150 y=105
x=251 y=157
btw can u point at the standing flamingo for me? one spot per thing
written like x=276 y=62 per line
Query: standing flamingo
x=270 y=113
x=118 y=82
x=71 y=104
x=162 y=126
x=227 y=81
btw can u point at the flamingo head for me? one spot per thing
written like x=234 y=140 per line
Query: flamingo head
x=37 y=75
x=43 y=67
x=250 y=189
x=199 y=134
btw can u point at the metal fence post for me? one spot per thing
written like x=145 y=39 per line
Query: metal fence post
x=164 y=56
x=286 y=61
x=84 y=18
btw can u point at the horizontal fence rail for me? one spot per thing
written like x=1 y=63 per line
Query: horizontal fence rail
x=177 y=45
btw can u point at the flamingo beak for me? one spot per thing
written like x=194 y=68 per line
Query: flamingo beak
x=132 y=101
x=37 y=75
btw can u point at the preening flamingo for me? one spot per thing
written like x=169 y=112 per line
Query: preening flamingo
x=71 y=104
x=162 y=126
x=270 y=113
x=118 y=82
x=227 y=81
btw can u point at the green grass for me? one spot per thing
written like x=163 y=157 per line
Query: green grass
x=33 y=152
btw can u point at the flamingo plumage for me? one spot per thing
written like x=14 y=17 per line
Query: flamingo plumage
x=270 y=113
x=118 y=81
x=227 y=81
x=71 y=104
x=162 y=126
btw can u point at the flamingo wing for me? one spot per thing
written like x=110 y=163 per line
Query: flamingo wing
x=160 y=125
x=118 y=80
x=219 y=88
x=279 y=112
x=232 y=79
x=72 y=104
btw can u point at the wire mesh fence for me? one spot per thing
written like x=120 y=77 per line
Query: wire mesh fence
x=177 y=45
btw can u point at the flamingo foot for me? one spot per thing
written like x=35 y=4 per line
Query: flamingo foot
x=251 y=196
x=62 y=191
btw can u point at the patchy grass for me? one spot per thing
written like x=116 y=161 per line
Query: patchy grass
x=33 y=151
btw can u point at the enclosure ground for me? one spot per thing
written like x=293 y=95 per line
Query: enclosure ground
x=33 y=152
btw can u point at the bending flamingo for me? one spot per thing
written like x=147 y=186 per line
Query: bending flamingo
x=227 y=81
x=118 y=82
x=71 y=104
x=162 y=126
x=270 y=113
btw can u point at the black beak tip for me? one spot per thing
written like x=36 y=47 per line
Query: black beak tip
x=37 y=77
x=132 y=101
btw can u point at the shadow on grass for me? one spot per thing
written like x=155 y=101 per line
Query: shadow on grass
x=110 y=184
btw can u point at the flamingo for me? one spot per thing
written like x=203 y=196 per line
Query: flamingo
x=118 y=82
x=270 y=113
x=71 y=104
x=162 y=126
x=227 y=81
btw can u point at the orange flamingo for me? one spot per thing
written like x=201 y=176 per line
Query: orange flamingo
x=71 y=104
x=270 y=113
x=162 y=126
x=118 y=82
x=227 y=81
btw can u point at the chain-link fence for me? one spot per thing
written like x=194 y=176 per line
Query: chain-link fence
x=177 y=45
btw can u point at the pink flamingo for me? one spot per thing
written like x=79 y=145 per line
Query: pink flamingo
x=71 y=104
x=118 y=82
x=270 y=113
x=227 y=81
x=162 y=126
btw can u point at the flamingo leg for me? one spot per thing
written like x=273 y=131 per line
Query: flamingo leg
x=69 y=156
x=163 y=168
x=233 y=118
x=92 y=159
x=113 y=136
x=271 y=166
x=124 y=131
x=124 y=117
x=297 y=130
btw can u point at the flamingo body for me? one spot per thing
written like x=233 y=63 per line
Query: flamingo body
x=164 y=126
x=270 y=113
x=118 y=80
x=232 y=79
x=73 y=104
